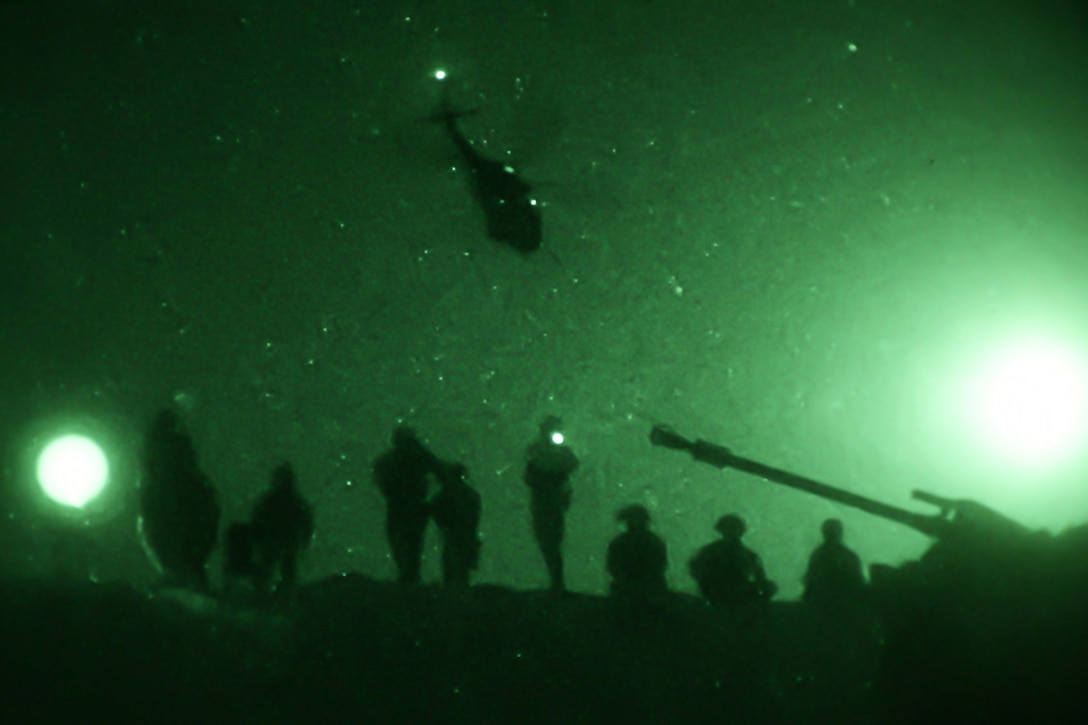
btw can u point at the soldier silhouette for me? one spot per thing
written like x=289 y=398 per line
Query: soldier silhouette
x=637 y=558
x=179 y=514
x=548 y=468
x=456 y=511
x=283 y=524
x=401 y=475
x=834 y=571
x=727 y=571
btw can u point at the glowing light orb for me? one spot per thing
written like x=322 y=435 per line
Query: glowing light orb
x=440 y=74
x=1031 y=403
x=72 y=470
x=557 y=438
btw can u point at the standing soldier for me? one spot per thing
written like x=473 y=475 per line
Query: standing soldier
x=401 y=475
x=637 y=558
x=727 y=571
x=179 y=514
x=456 y=511
x=283 y=524
x=548 y=467
x=834 y=572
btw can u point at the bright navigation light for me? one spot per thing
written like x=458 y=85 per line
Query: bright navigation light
x=72 y=470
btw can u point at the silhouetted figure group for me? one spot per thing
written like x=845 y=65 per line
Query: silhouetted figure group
x=403 y=476
x=179 y=520
x=727 y=572
x=262 y=554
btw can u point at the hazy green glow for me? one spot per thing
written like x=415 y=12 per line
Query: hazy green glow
x=1029 y=402
x=72 y=470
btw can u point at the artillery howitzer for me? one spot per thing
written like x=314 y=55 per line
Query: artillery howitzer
x=990 y=621
x=958 y=519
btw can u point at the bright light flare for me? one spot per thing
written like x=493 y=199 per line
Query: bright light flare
x=72 y=470
x=1030 y=402
x=557 y=438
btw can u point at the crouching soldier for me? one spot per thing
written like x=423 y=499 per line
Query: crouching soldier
x=727 y=571
x=637 y=558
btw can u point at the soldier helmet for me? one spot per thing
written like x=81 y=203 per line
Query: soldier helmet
x=731 y=525
x=636 y=516
x=550 y=424
x=404 y=437
x=283 y=476
x=832 y=530
x=456 y=472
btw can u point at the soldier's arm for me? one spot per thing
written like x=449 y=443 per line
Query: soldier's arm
x=571 y=464
x=697 y=564
x=757 y=566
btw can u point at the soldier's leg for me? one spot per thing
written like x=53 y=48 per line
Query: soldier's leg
x=548 y=529
x=398 y=533
x=406 y=532
x=449 y=565
x=459 y=577
x=415 y=528
x=458 y=566
x=553 y=559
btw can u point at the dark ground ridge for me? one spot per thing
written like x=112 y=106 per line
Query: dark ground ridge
x=350 y=648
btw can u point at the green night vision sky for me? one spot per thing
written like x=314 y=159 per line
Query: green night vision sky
x=847 y=239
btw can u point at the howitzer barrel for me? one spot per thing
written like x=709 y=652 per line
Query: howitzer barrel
x=966 y=514
x=722 y=457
